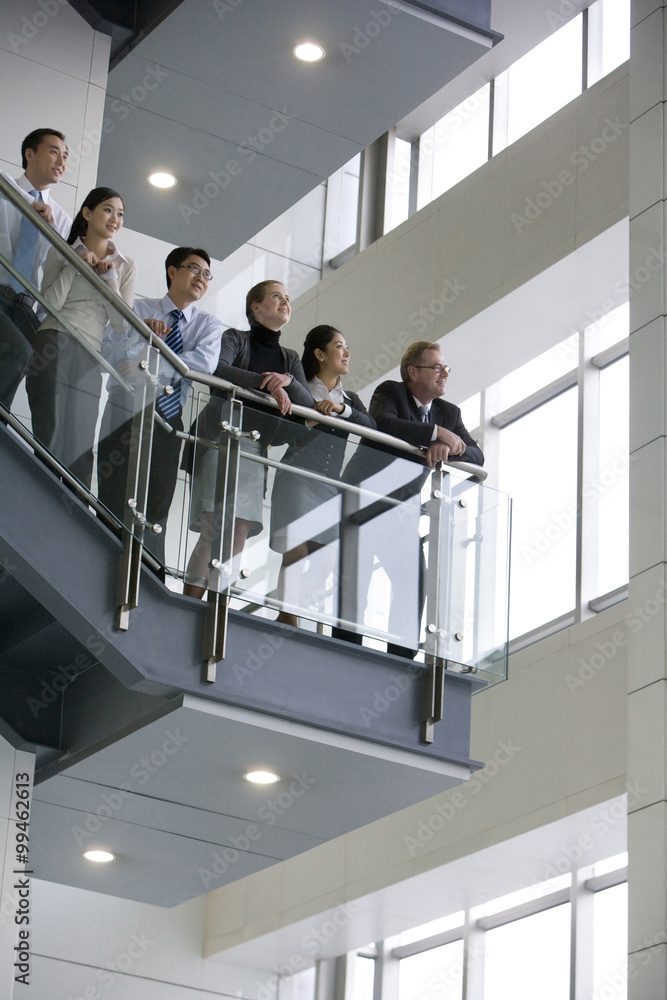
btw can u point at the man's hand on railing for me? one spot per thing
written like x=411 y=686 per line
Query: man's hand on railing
x=159 y=327
x=438 y=452
x=455 y=444
x=44 y=210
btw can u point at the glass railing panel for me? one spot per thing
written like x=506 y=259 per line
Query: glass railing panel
x=139 y=441
x=467 y=555
x=331 y=527
x=73 y=370
x=342 y=534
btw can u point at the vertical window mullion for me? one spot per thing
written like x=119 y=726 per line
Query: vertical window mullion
x=474 y=939
x=581 y=935
x=587 y=478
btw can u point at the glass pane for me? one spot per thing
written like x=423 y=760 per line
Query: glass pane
x=455 y=146
x=433 y=927
x=545 y=79
x=342 y=208
x=609 y=328
x=528 y=894
x=608 y=37
x=471 y=411
x=541 y=371
x=437 y=972
x=364 y=978
x=612 y=487
x=467 y=570
x=610 y=942
x=529 y=958
x=398 y=186
x=538 y=469
x=611 y=864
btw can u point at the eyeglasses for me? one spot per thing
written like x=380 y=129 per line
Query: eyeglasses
x=196 y=270
x=436 y=368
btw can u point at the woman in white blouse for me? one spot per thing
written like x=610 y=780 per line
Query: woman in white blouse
x=65 y=379
x=305 y=512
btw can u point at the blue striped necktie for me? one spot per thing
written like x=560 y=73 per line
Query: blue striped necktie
x=24 y=256
x=170 y=406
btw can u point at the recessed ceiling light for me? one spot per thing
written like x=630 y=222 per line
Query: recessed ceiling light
x=162 y=179
x=309 y=51
x=262 y=777
x=101 y=857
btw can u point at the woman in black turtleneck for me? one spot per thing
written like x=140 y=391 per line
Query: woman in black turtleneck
x=253 y=359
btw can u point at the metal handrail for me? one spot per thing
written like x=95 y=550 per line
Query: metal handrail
x=379 y=437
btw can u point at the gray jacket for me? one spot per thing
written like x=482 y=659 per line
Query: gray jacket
x=235 y=358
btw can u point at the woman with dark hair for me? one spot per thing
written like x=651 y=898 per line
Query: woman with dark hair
x=253 y=359
x=305 y=512
x=65 y=380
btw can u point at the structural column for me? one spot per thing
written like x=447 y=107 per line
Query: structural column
x=647 y=670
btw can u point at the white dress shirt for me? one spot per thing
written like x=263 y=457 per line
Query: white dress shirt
x=319 y=391
x=419 y=404
x=200 y=331
x=10 y=227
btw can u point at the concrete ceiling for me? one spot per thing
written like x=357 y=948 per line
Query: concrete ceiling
x=214 y=94
x=170 y=800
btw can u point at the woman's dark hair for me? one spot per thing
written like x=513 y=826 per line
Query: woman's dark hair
x=316 y=339
x=92 y=200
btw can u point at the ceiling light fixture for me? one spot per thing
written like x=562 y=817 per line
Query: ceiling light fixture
x=101 y=857
x=262 y=777
x=309 y=51
x=162 y=179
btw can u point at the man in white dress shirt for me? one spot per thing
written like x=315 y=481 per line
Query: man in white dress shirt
x=44 y=159
x=188 y=276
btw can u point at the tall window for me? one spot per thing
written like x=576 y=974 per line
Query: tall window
x=340 y=228
x=538 y=468
x=454 y=147
x=537 y=85
x=398 y=185
x=556 y=437
x=608 y=37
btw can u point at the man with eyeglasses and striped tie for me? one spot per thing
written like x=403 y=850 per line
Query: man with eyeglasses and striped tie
x=192 y=334
x=44 y=159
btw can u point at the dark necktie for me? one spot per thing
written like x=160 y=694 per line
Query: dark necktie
x=24 y=257
x=170 y=406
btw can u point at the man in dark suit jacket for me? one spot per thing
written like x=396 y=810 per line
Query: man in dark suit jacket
x=413 y=411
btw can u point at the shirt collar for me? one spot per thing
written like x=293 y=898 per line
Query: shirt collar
x=114 y=255
x=319 y=391
x=27 y=186
x=168 y=306
x=418 y=404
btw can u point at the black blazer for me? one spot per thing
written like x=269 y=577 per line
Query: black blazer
x=396 y=413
